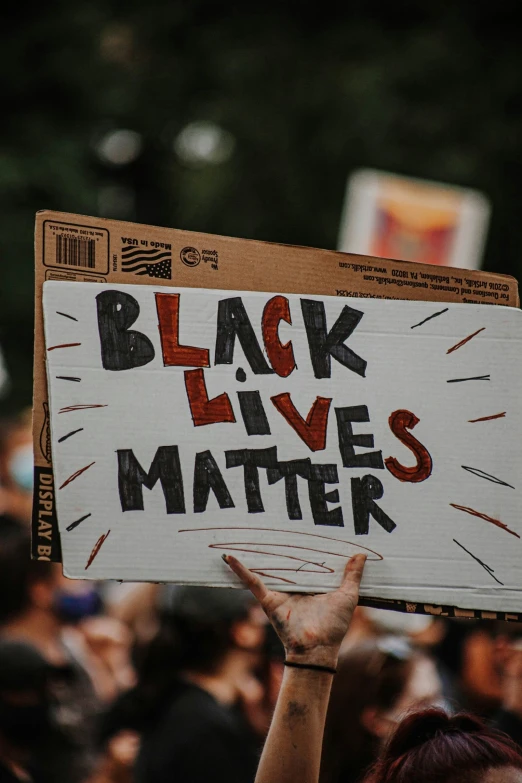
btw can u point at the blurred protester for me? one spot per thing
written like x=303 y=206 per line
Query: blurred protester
x=24 y=712
x=16 y=467
x=377 y=682
x=194 y=679
x=32 y=746
x=473 y=656
x=479 y=661
x=467 y=657
x=33 y=610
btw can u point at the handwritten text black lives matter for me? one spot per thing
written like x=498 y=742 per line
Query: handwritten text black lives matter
x=123 y=349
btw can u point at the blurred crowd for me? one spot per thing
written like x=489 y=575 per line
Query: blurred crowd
x=112 y=683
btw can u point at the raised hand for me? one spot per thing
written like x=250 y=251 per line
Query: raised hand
x=311 y=627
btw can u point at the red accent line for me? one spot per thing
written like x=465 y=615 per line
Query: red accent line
x=75 y=475
x=80 y=408
x=234 y=547
x=479 y=514
x=64 y=345
x=488 y=418
x=232 y=544
x=96 y=548
x=465 y=340
x=280 y=530
x=241 y=546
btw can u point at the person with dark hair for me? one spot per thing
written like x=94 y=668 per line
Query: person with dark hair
x=436 y=748
x=428 y=746
x=33 y=747
x=19 y=575
x=377 y=682
x=24 y=711
x=192 y=679
x=30 y=614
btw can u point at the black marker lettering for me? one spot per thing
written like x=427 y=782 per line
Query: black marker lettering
x=319 y=476
x=132 y=478
x=252 y=459
x=289 y=471
x=253 y=413
x=232 y=320
x=207 y=476
x=121 y=349
x=365 y=491
x=347 y=439
x=323 y=344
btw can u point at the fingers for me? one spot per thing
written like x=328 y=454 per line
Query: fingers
x=250 y=580
x=353 y=573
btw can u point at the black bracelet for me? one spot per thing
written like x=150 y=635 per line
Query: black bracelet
x=313 y=666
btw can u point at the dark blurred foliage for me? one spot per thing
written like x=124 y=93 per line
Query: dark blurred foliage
x=308 y=91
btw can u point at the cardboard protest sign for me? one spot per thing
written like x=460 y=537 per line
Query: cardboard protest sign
x=293 y=430
x=400 y=217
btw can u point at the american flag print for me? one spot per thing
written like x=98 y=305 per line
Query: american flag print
x=154 y=262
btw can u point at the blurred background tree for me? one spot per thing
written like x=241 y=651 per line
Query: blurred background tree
x=246 y=119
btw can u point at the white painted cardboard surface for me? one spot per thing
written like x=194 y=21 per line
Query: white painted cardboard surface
x=408 y=368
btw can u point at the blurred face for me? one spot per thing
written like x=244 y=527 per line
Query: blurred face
x=16 y=474
x=249 y=634
x=17 y=460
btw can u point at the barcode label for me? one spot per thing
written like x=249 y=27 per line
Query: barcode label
x=76 y=251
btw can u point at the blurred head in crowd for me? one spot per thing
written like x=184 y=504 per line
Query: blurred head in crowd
x=202 y=626
x=377 y=682
x=208 y=624
x=25 y=585
x=35 y=587
x=208 y=636
x=24 y=701
x=435 y=748
x=472 y=654
x=16 y=467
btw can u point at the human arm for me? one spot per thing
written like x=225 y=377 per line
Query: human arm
x=311 y=629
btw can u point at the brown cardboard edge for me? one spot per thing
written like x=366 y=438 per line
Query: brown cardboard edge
x=305 y=248
x=451 y=612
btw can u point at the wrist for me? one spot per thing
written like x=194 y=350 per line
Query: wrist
x=318 y=656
